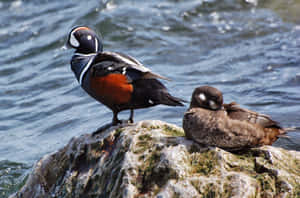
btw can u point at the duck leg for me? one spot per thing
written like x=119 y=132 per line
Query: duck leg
x=115 y=120
x=131 y=116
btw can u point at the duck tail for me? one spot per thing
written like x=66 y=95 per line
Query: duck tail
x=170 y=100
x=283 y=131
x=292 y=129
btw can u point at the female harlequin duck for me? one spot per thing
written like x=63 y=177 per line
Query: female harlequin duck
x=116 y=80
x=208 y=121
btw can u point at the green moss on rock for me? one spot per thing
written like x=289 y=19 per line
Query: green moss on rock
x=172 y=131
x=144 y=143
x=204 y=163
x=151 y=177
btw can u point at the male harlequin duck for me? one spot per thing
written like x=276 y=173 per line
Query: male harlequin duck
x=228 y=126
x=116 y=80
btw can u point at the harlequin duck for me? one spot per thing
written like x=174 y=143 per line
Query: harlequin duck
x=208 y=121
x=118 y=81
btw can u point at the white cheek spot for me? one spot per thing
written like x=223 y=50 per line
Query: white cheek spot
x=89 y=37
x=212 y=104
x=150 y=101
x=202 y=96
x=73 y=41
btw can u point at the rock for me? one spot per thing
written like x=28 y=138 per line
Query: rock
x=153 y=159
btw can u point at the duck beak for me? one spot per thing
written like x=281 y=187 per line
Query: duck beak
x=65 y=47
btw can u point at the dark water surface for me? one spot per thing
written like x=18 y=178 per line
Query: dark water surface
x=250 y=52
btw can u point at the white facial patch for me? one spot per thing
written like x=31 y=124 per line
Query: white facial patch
x=73 y=41
x=89 y=37
x=212 y=104
x=202 y=96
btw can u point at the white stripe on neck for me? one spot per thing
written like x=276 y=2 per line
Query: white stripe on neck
x=96 y=45
x=90 y=54
x=87 y=66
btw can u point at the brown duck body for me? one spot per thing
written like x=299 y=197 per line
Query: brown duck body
x=230 y=127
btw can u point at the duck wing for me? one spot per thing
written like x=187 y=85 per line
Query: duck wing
x=107 y=62
x=234 y=111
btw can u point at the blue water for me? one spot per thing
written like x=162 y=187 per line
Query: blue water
x=250 y=52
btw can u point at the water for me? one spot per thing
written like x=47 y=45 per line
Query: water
x=250 y=51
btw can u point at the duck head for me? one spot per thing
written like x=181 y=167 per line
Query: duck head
x=207 y=97
x=84 y=40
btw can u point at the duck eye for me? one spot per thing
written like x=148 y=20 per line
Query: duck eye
x=202 y=96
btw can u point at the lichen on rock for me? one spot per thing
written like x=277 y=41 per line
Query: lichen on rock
x=154 y=159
